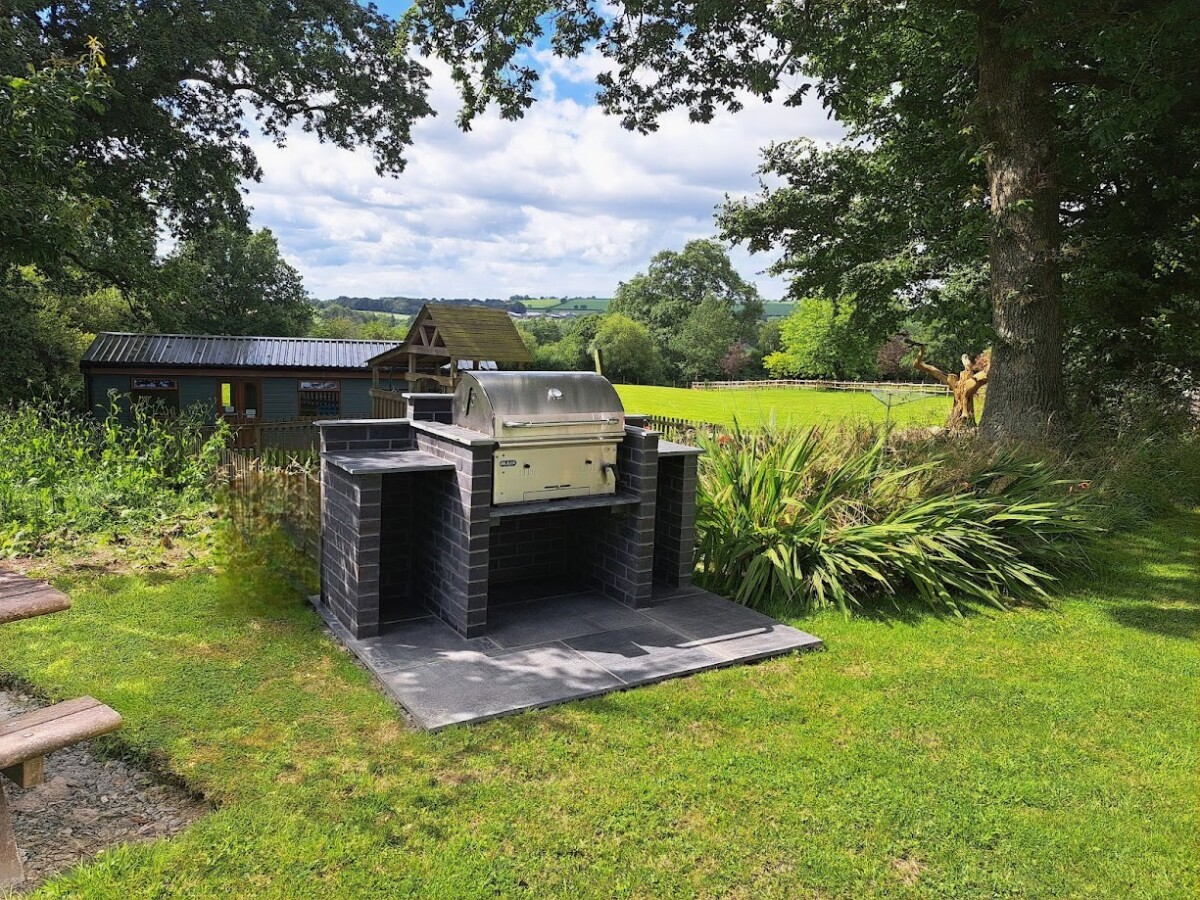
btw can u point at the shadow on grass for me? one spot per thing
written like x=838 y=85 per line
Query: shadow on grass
x=1151 y=577
x=1174 y=622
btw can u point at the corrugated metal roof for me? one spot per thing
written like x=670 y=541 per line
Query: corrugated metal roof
x=225 y=352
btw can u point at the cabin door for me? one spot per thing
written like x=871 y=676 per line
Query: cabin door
x=239 y=403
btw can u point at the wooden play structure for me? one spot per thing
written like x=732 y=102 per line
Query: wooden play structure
x=442 y=341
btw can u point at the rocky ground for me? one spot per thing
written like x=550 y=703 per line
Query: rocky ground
x=88 y=804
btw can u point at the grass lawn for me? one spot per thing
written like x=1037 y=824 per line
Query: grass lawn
x=785 y=406
x=1047 y=753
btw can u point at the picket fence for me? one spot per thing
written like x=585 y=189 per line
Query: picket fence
x=255 y=491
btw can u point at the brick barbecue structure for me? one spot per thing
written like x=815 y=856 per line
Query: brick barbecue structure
x=410 y=526
x=520 y=543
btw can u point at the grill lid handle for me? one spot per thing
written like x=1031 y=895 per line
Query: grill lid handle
x=515 y=424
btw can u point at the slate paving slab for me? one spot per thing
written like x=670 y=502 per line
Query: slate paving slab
x=475 y=687
x=730 y=629
x=645 y=652
x=548 y=651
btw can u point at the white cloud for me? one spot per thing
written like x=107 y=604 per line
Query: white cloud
x=564 y=201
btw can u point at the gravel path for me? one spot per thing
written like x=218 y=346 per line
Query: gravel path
x=88 y=804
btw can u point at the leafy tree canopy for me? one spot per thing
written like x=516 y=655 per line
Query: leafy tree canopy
x=703 y=341
x=228 y=282
x=628 y=351
x=820 y=340
x=1051 y=141
x=155 y=126
x=675 y=286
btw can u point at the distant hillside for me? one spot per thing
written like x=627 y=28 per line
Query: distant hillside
x=518 y=303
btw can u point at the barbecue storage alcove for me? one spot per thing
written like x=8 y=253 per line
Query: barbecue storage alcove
x=518 y=485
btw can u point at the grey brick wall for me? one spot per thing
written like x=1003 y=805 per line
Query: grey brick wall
x=531 y=546
x=622 y=553
x=675 y=521
x=431 y=409
x=350 y=524
x=366 y=434
x=451 y=541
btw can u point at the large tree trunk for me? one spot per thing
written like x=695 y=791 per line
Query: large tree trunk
x=1026 y=395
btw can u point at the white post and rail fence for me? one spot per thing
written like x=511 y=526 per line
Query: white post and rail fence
x=822 y=385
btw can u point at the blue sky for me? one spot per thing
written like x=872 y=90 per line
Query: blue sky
x=563 y=202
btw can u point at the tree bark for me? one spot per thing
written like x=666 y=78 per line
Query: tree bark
x=1026 y=392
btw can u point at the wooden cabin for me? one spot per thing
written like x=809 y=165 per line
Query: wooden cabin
x=443 y=341
x=245 y=380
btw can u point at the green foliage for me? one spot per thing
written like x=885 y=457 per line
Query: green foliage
x=628 y=351
x=559 y=345
x=820 y=340
x=230 y=281
x=63 y=474
x=167 y=143
x=47 y=331
x=799 y=520
x=698 y=281
x=703 y=342
x=47 y=201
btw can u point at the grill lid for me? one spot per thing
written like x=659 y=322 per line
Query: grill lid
x=538 y=406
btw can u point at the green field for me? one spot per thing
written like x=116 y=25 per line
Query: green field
x=783 y=406
x=590 y=305
x=777 y=310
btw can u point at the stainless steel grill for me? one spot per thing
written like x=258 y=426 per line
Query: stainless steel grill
x=556 y=432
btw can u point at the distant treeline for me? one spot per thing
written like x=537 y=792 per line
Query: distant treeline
x=410 y=306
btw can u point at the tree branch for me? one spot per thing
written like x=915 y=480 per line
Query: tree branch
x=922 y=366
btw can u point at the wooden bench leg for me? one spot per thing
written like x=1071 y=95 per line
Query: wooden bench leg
x=27 y=774
x=11 y=870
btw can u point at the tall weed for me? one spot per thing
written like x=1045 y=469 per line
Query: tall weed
x=64 y=474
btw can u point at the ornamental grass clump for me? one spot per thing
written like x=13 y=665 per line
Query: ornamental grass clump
x=793 y=520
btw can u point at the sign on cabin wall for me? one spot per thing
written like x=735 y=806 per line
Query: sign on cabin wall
x=153 y=384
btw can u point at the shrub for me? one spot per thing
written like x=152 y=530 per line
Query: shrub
x=63 y=472
x=793 y=520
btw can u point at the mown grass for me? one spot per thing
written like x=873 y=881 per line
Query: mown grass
x=1035 y=753
x=781 y=406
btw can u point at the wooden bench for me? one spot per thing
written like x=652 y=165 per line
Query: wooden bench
x=21 y=598
x=27 y=738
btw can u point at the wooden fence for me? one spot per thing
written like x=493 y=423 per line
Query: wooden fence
x=684 y=431
x=914 y=386
x=254 y=493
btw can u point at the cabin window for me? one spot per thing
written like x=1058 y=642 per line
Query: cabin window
x=320 y=399
x=160 y=393
x=250 y=400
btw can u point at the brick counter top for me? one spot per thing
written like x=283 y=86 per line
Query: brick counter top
x=387 y=462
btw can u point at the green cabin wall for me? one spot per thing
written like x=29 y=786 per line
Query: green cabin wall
x=280 y=402
x=196 y=392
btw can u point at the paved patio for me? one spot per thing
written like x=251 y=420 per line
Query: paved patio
x=549 y=650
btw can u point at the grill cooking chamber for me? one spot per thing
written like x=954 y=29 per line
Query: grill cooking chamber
x=556 y=433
